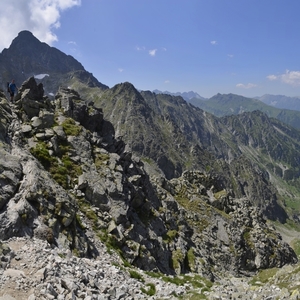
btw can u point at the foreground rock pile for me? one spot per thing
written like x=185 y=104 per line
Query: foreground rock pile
x=31 y=269
x=35 y=271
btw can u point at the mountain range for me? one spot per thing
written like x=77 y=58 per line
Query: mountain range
x=281 y=101
x=185 y=95
x=276 y=101
x=231 y=104
x=171 y=187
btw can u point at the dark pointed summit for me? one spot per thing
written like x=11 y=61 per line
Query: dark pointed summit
x=24 y=38
x=40 y=57
x=27 y=57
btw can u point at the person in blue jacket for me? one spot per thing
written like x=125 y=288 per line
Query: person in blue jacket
x=12 y=90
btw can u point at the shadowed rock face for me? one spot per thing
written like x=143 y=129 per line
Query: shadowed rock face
x=40 y=56
x=68 y=180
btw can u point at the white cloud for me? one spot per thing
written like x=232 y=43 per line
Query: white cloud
x=167 y=81
x=230 y=55
x=138 y=48
x=38 y=16
x=152 y=52
x=272 y=77
x=120 y=70
x=289 y=77
x=214 y=42
x=246 y=86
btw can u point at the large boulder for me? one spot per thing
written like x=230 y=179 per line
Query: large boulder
x=87 y=115
x=31 y=90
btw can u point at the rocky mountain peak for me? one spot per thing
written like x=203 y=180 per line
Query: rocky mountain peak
x=25 y=39
x=126 y=87
x=40 y=59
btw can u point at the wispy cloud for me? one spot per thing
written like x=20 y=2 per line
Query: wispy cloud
x=272 y=77
x=38 y=16
x=73 y=49
x=289 y=77
x=138 y=48
x=214 y=42
x=246 y=86
x=230 y=55
x=152 y=52
x=167 y=81
x=120 y=70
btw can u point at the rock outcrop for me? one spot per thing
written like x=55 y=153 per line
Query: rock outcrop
x=66 y=180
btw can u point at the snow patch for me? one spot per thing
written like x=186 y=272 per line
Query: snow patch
x=40 y=76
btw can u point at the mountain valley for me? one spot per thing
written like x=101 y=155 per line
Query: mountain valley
x=182 y=203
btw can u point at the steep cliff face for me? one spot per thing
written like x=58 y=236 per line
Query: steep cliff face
x=68 y=180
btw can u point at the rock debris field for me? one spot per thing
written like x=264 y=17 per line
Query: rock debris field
x=32 y=270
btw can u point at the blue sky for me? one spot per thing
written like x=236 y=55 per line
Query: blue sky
x=245 y=47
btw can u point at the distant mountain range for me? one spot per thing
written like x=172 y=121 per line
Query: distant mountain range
x=285 y=109
x=278 y=101
x=281 y=101
x=230 y=104
x=185 y=95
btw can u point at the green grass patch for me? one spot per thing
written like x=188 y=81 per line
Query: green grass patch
x=60 y=167
x=100 y=159
x=263 y=276
x=170 y=236
x=70 y=127
x=150 y=290
x=296 y=246
x=86 y=208
x=195 y=280
x=136 y=275
x=193 y=296
x=191 y=259
x=147 y=160
x=177 y=258
x=247 y=238
x=220 y=194
x=41 y=153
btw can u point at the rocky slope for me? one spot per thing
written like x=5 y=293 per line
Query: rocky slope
x=148 y=186
x=68 y=181
x=166 y=131
x=178 y=136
